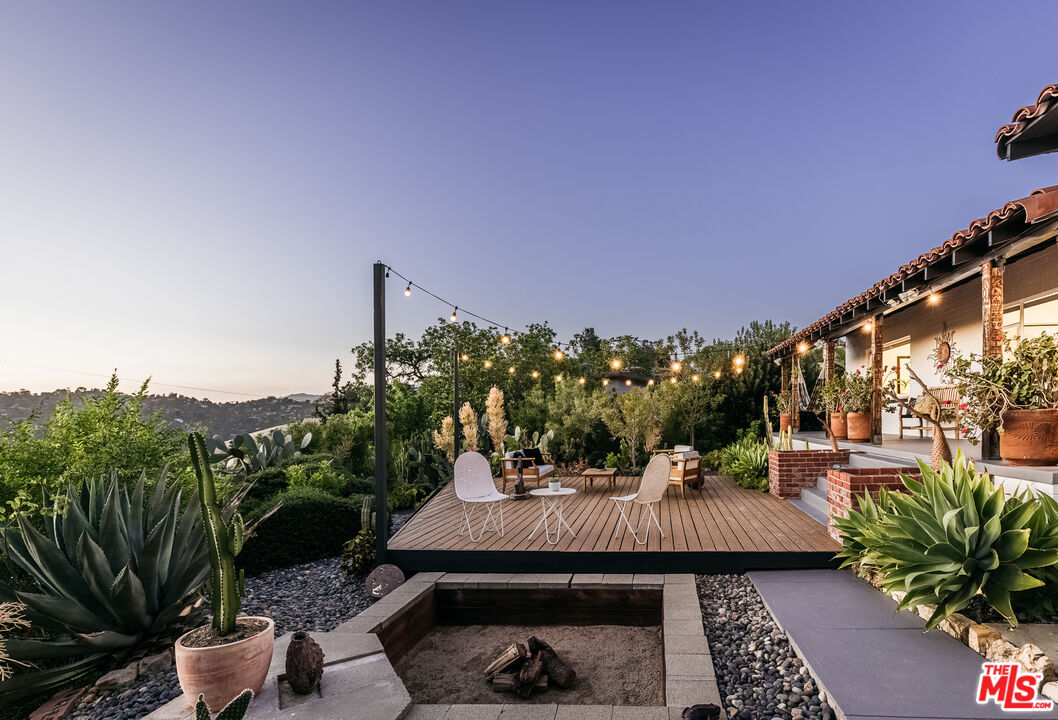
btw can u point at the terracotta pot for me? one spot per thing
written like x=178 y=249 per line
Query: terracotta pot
x=839 y=426
x=1030 y=437
x=785 y=420
x=221 y=672
x=859 y=426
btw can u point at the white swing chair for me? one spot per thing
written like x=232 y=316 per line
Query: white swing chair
x=651 y=490
x=474 y=486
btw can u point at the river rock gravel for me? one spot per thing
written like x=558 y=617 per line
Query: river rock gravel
x=316 y=596
x=758 y=673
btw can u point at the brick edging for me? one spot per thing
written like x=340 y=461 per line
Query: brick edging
x=790 y=471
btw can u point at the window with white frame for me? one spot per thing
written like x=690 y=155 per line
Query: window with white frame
x=1030 y=317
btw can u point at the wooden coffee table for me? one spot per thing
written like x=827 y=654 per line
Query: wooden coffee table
x=592 y=474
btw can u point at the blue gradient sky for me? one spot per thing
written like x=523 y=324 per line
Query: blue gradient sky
x=196 y=191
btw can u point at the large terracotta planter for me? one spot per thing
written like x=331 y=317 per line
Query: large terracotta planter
x=220 y=673
x=785 y=421
x=1030 y=437
x=839 y=426
x=859 y=427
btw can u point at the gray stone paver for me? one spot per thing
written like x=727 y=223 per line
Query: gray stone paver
x=473 y=712
x=683 y=627
x=553 y=580
x=648 y=580
x=525 y=580
x=626 y=712
x=686 y=645
x=587 y=580
x=454 y=580
x=868 y=657
x=584 y=712
x=695 y=666
x=528 y=712
x=618 y=579
x=679 y=579
x=684 y=693
x=427 y=712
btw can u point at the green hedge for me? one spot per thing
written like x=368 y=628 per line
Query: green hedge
x=309 y=525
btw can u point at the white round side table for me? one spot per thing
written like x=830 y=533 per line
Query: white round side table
x=552 y=502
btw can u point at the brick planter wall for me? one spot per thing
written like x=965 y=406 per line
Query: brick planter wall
x=843 y=486
x=791 y=470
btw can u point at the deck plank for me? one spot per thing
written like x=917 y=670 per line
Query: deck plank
x=720 y=517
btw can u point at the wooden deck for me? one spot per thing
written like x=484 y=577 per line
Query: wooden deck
x=722 y=528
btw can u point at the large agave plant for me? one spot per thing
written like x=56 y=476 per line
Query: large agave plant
x=249 y=455
x=858 y=525
x=114 y=570
x=954 y=535
x=1043 y=531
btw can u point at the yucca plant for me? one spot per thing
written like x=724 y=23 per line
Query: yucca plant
x=951 y=536
x=114 y=570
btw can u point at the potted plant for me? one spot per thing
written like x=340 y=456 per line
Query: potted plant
x=832 y=395
x=856 y=402
x=782 y=403
x=1016 y=395
x=232 y=654
x=555 y=483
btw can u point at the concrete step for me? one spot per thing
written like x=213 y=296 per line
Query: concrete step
x=876 y=460
x=821 y=483
x=820 y=516
x=816 y=498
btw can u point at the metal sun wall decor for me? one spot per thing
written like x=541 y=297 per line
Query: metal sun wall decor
x=943 y=349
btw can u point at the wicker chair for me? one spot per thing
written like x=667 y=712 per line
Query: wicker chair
x=949 y=398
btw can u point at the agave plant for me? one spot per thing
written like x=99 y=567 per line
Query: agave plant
x=857 y=525
x=114 y=570
x=954 y=535
x=1043 y=531
x=245 y=453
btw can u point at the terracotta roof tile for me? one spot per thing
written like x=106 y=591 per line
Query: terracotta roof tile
x=1038 y=206
x=1023 y=116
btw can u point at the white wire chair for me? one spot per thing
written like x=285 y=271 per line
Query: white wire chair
x=651 y=490
x=474 y=487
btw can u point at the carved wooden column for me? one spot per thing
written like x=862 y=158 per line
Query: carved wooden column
x=828 y=361
x=785 y=374
x=991 y=335
x=795 y=394
x=877 y=340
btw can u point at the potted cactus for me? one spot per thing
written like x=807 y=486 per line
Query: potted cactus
x=220 y=660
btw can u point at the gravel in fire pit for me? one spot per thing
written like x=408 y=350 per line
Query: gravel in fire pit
x=758 y=673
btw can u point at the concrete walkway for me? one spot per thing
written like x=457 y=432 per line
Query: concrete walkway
x=875 y=663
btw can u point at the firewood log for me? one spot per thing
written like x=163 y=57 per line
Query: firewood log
x=504 y=682
x=512 y=654
x=560 y=673
x=528 y=675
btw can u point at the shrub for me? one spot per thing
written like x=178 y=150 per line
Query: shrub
x=323 y=477
x=403 y=497
x=309 y=525
x=951 y=537
x=746 y=462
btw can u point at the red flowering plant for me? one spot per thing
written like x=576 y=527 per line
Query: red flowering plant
x=1024 y=378
x=832 y=394
x=858 y=391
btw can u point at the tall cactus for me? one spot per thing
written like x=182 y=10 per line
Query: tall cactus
x=768 y=437
x=224 y=537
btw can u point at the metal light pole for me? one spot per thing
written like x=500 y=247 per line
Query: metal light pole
x=381 y=524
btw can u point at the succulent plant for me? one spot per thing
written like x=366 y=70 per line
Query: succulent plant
x=952 y=536
x=224 y=537
x=234 y=710
x=114 y=570
x=245 y=453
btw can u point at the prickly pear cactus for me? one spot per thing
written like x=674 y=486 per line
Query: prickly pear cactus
x=235 y=710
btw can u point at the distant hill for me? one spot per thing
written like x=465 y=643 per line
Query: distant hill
x=219 y=418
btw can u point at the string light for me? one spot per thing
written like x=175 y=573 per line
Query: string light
x=739 y=360
x=582 y=381
x=466 y=357
x=695 y=378
x=559 y=355
x=676 y=366
x=717 y=374
x=802 y=347
x=650 y=381
x=868 y=326
x=453 y=317
x=672 y=380
x=535 y=374
x=506 y=337
x=605 y=381
x=738 y=371
x=616 y=363
x=488 y=363
x=628 y=382
x=934 y=298
x=511 y=370
x=407 y=290
x=558 y=378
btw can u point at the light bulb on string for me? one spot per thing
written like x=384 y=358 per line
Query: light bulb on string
x=868 y=326
x=606 y=381
x=535 y=374
x=672 y=380
x=934 y=298
x=488 y=363
x=695 y=378
x=582 y=381
x=558 y=378
x=628 y=382
x=676 y=366
x=559 y=355
x=511 y=370
x=407 y=290
x=616 y=363
x=717 y=374
x=453 y=317
x=464 y=357
x=650 y=381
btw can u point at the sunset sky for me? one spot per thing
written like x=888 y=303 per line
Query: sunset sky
x=196 y=191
